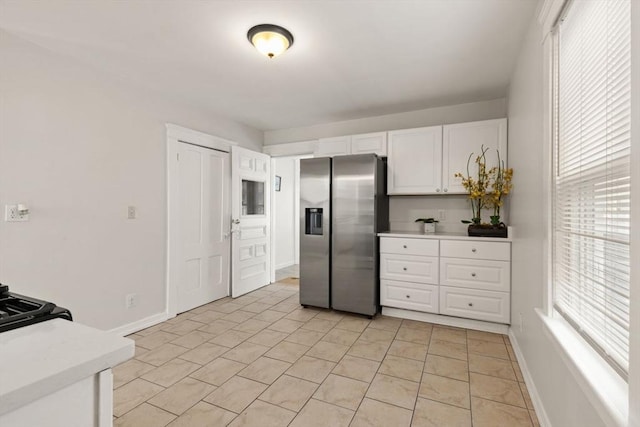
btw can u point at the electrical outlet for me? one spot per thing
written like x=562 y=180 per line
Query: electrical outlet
x=131 y=212
x=442 y=215
x=131 y=300
x=13 y=214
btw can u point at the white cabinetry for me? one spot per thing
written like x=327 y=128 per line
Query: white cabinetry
x=329 y=147
x=475 y=280
x=369 y=143
x=462 y=139
x=409 y=274
x=414 y=165
x=462 y=278
x=353 y=144
x=58 y=373
x=475 y=304
x=425 y=160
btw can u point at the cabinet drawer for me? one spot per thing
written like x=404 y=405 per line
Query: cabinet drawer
x=475 y=304
x=500 y=251
x=476 y=274
x=410 y=268
x=399 y=245
x=412 y=296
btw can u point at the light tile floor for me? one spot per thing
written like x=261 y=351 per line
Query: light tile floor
x=262 y=360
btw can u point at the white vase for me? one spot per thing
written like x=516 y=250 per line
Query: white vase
x=429 y=227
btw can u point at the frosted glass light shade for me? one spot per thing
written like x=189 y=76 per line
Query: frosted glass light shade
x=270 y=40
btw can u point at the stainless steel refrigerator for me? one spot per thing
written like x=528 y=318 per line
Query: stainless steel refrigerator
x=343 y=205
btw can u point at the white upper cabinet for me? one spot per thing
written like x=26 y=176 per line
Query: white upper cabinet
x=425 y=160
x=369 y=143
x=462 y=139
x=414 y=165
x=353 y=144
x=337 y=146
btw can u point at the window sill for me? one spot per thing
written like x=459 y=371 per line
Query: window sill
x=605 y=389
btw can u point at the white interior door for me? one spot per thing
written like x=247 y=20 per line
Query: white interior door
x=251 y=223
x=203 y=212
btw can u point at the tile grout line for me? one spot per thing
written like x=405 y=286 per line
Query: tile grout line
x=469 y=378
x=426 y=355
x=355 y=413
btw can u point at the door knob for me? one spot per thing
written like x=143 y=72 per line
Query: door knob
x=235 y=221
x=470 y=304
x=408 y=296
x=404 y=246
x=446 y=189
x=473 y=274
x=437 y=190
x=404 y=268
x=473 y=250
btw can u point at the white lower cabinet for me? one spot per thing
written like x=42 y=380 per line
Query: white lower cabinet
x=409 y=274
x=475 y=274
x=411 y=268
x=467 y=278
x=475 y=304
x=412 y=296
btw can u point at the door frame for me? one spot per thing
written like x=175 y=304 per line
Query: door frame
x=175 y=135
x=293 y=149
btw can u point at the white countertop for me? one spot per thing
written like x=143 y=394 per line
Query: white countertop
x=39 y=359
x=443 y=236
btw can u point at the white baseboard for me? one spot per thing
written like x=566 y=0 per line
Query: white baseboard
x=528 y=380
x=440 y=319
x=139 y=325
x=285 y=264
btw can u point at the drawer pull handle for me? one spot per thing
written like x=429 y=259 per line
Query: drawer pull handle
x=408 y=296
x=404 y=246
x=470 y=304
x=473 y=274
x=404 y=268
x=473 y=250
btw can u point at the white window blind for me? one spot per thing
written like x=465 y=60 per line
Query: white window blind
x=592 y=174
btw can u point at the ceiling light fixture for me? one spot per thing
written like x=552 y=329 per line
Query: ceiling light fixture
x=270 y=40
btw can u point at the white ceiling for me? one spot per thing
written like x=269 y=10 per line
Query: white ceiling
x=350 y=58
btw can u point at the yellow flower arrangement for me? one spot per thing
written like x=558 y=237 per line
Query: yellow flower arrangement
x=476 y=187
x=488 y=189
x=500 y=188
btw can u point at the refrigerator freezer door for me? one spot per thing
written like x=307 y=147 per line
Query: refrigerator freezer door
x=354 y=283
x=315 y=231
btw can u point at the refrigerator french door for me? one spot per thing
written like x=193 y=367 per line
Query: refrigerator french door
x=343 y=206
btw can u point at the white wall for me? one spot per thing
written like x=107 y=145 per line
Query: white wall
x=285 y=212
x=564 y=402
x=484 y=110
x=404 y=210
x=78 y=147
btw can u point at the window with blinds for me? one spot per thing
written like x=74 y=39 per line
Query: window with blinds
x=591 y=193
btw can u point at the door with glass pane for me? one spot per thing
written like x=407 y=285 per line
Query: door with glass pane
x=250 y=222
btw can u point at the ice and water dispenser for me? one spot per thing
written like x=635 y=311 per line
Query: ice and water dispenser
x=313 y=221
